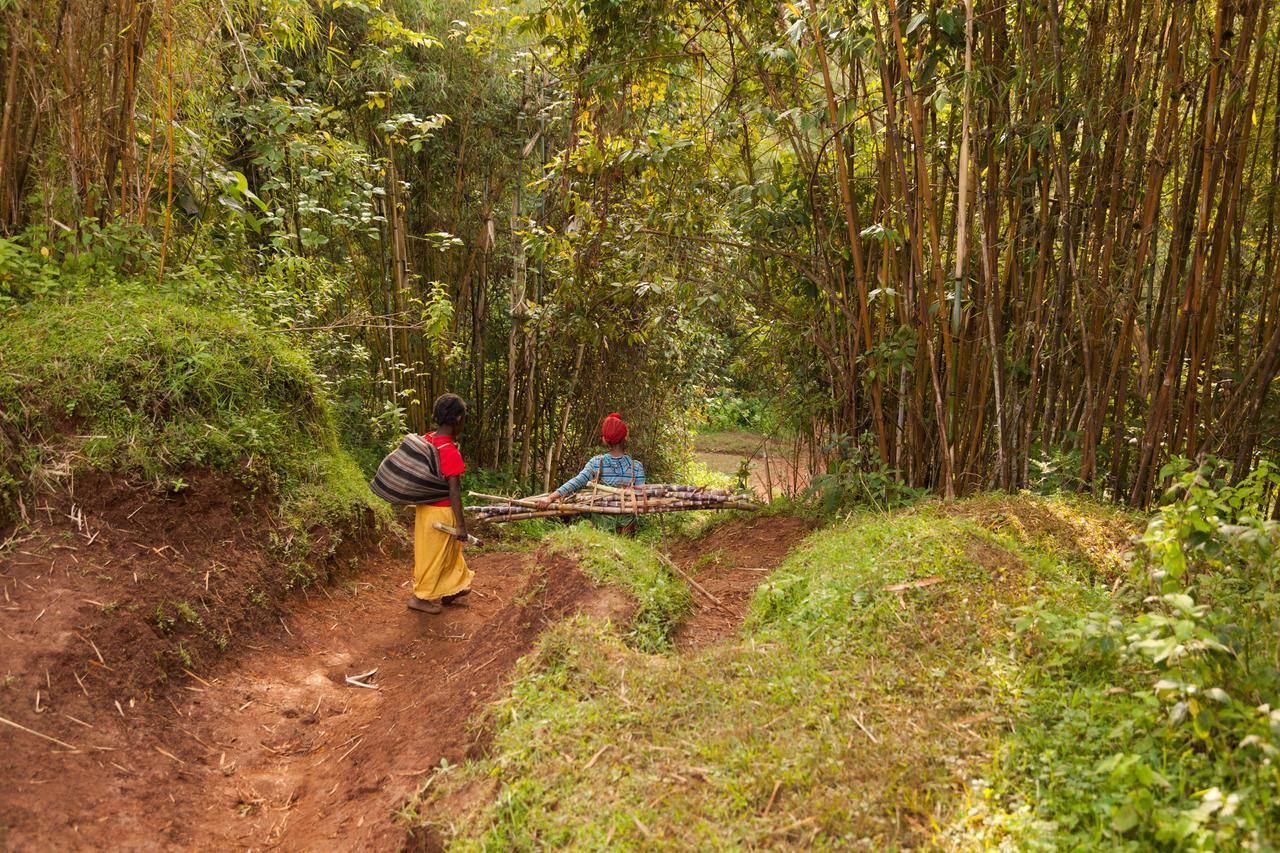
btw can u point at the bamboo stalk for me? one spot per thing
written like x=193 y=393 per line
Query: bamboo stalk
x=23 y=728
x=693 y=583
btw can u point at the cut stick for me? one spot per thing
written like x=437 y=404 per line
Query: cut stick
x=923 y=582
x=496 y=518
x=866 y=731
x=196 y=677
x=453 y=531
x=596 y=757
x=501 y=500
x=77 y=720
x=769 y=805
x=540 y=514
x=699 y=587
x=361 y=680
x=20 y=727
x=351 y=750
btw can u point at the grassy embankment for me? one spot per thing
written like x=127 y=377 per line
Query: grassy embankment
x=990 y=673
x=148 y=388
x=850 y=711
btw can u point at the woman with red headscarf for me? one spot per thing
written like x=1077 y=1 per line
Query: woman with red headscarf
x=615 y=468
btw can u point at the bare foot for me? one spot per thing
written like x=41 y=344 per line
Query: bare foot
x=424 y=606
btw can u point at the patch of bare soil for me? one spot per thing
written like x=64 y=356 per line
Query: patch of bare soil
x=729 y=563
x=115 y=588
x=774 y=468
x=268 y=745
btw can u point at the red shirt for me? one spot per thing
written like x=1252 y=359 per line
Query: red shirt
x=451 y=464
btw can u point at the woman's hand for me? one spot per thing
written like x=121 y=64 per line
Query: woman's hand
x=460 y=533
x=544 y=503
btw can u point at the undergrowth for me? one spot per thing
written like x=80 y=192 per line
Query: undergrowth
x=151 y=388
x=661 y=598
x=869 y=685
x=1150 y=719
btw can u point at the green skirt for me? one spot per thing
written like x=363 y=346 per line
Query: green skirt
x=612 y=523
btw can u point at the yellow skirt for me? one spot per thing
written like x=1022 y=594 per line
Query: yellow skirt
x=438 y=567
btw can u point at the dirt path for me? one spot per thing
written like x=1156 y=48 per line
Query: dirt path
x=271 y=747
x=730 y=562
x=275 y=749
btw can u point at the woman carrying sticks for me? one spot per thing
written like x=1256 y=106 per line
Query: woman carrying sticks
x=615 y=468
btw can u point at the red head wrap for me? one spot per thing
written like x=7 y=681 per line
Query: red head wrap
x=614 y=429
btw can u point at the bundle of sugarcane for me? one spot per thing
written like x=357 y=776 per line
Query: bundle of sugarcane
x=610 y=500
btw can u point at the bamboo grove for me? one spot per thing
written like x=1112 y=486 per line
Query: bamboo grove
x=1019 y=232
x=968 y=245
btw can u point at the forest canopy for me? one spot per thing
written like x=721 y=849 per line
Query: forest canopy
x=957 y=246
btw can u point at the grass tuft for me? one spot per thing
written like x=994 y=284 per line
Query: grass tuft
x=662 y=600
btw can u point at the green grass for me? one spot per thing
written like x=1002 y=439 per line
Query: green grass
x=734 y=442
x=661 y=599
x=152 y=388
x=846 y=715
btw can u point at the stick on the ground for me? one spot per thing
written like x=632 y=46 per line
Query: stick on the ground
x=917 y=584
x=699 y=587
x=866 y=731
x=362 y=680
x=23 y=728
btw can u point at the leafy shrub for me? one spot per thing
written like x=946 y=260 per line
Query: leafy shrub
x=727 y=411
x=857 y=477
x=91 y=256
x=24 y=274
x=1152 y=720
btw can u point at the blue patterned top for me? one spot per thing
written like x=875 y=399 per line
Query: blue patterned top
x=612 y=471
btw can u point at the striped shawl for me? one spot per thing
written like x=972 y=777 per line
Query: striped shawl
x=411 y=474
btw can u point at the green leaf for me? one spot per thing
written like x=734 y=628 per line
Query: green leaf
x=1125 y=819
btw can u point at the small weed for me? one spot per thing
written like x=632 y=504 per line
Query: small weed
x=705 y=560
x=162 y=620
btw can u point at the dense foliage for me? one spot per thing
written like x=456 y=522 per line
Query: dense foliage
x=1151 y=719
x=1001 y=244
x=955 y=246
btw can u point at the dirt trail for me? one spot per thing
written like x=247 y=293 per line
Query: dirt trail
x=730 y=562
x=271 y=747
x=774 y=468
x=274 y=748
